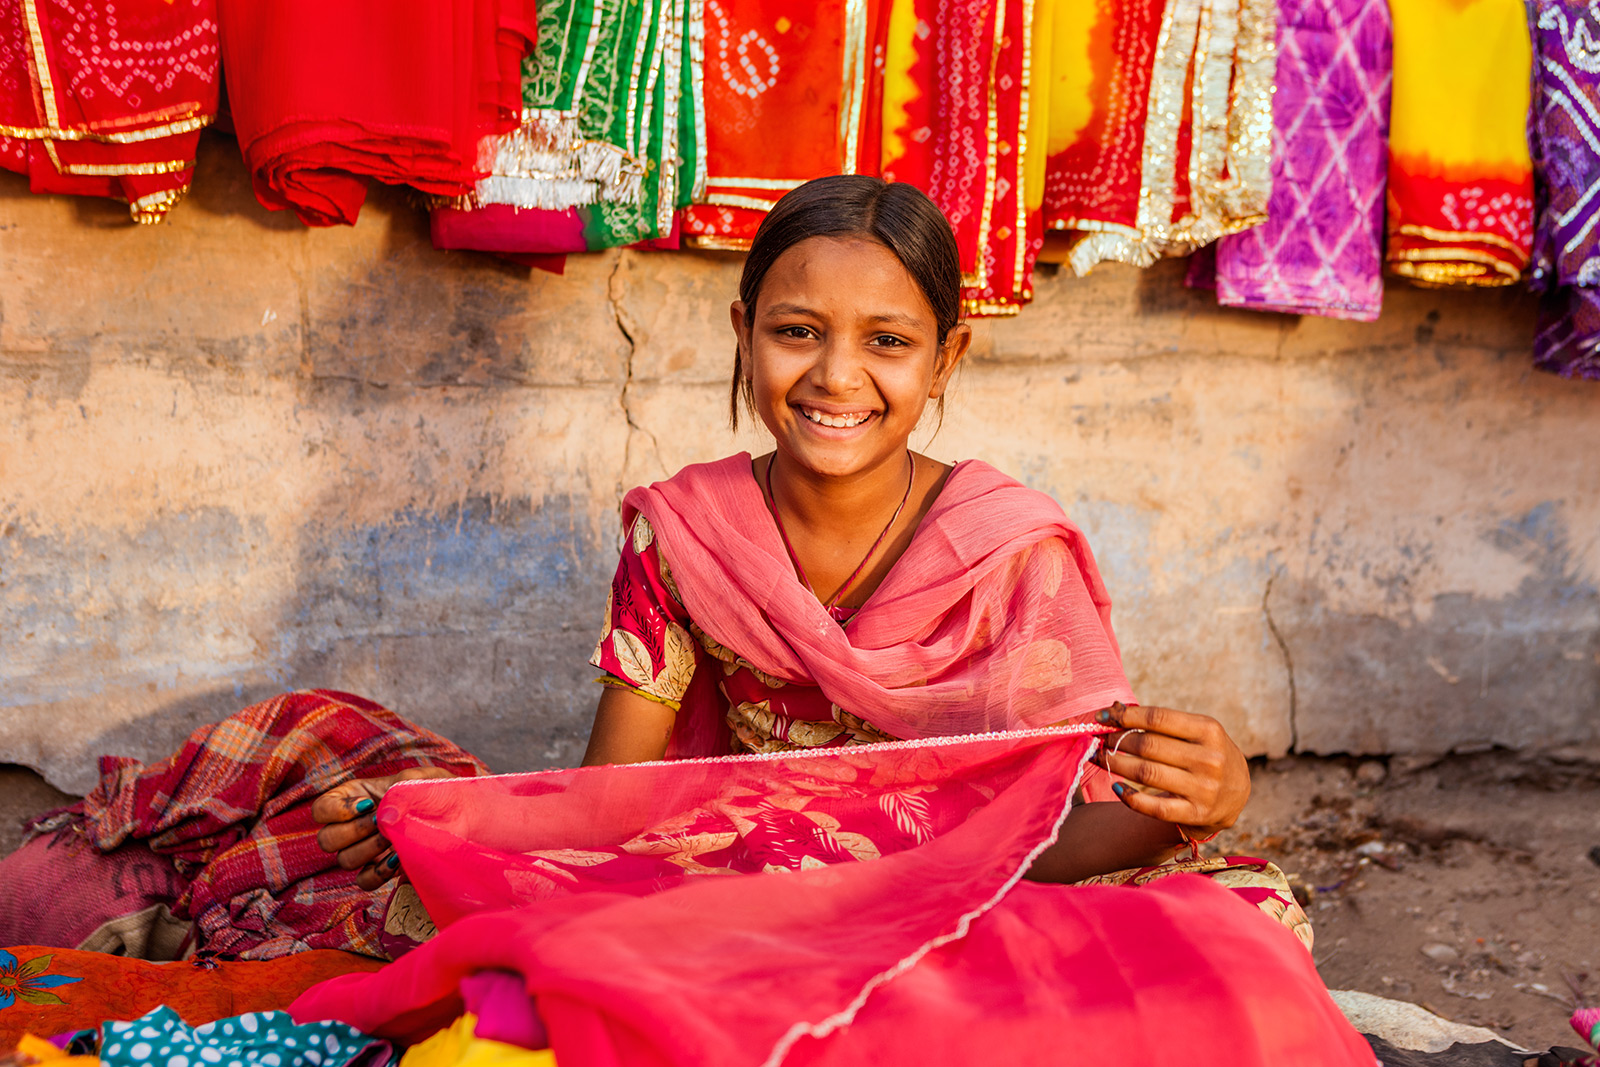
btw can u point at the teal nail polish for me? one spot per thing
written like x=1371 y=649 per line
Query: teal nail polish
x=365 y=805
x=1118 y=788
x=392 y=862
x=1104 y=715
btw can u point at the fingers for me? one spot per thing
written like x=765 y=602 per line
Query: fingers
x=385 y=867
x=362 y=853
x=338 y=836
x=1186 y=725
x=1173 y=809
x=1182 y=767
x=351 y=800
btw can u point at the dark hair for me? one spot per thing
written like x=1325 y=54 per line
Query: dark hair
x=896 y=215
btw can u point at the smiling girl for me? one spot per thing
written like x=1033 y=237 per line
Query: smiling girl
x=843 y=589
x=840 y=591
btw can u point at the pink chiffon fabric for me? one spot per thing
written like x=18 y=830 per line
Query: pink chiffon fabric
x=970 y=632
x=841 y=905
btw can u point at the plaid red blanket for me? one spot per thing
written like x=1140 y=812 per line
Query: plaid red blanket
x=232 y=809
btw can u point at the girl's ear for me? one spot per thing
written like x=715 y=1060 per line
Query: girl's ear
x=741 y=334
x=951 y=353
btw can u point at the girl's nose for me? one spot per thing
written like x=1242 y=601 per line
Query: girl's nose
x=838 y=369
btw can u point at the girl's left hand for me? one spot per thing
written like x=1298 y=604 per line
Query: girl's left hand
x=1186 y=768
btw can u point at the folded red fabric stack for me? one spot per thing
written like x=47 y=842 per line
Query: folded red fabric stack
x=324 y=96
x=107 y=97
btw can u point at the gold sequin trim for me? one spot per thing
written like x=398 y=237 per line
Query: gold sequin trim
x=697 y=64
x=102 y=170
x=784 y=184
x=1250 y=114
x=672 y=89
x=854 y=85
x=1465 y=237
x=149 y=210
x=54 y=133
x=990 y=308
x=1444 y=265
x=41 y=63
x=1019 y=278
x=730 y=200
x=1445 y=275
x=711 y=242
x=1096 y=226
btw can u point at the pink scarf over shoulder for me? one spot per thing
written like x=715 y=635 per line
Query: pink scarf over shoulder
x=995 y=618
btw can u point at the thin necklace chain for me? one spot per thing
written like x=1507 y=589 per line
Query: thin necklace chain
x=832 y=603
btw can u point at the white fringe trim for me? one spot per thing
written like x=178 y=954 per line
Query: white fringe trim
x=547 y=163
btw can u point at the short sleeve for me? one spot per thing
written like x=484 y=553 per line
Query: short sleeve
x=646 y=645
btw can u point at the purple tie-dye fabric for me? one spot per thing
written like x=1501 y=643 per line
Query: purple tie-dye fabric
x=1565 y=136
x=1320 y=252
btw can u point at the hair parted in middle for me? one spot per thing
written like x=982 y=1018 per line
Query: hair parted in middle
x=896 y=215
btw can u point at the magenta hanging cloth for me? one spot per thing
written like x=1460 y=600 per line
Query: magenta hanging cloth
x=1320 y=252
x=1564 y=129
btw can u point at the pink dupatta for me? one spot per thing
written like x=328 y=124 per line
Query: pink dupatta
x=995 y=618
x=720 y=911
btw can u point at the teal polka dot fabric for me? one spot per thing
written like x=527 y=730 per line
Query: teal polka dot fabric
x=259 y=1039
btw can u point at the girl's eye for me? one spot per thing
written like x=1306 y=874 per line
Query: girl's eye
x=797 y=332
x=888 y=340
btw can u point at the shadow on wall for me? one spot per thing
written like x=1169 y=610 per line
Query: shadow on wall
x=438 y=568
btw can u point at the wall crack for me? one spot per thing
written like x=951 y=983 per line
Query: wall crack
x=1288 y=662
x=626 y=327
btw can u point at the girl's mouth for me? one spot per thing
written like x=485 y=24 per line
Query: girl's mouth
x=845 y=421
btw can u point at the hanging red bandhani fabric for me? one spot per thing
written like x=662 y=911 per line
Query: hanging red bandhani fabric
x=1185 y=84
x=956 y=97
x=324 y=95
x=107 y=97
x=789 y=92
x=1460 y=174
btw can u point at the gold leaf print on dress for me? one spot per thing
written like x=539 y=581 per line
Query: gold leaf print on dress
x=862 y=732
x=673 y=680
x=753 y=725
x=771 y=681
x=809 y=734
x=633 y=657
x=714 y=649
x=643 y=535
x=667 y=579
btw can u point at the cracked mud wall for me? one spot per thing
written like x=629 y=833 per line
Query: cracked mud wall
x=238 y=456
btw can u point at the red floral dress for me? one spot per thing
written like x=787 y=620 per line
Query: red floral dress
x=651 y=647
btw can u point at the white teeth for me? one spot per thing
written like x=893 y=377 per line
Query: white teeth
x=842 y=422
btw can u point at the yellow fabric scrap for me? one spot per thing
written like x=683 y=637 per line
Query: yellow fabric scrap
x=458 y=1045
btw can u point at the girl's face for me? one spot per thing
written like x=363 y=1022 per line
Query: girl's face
x=843 y=354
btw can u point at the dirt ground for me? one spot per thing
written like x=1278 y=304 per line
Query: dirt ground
x=1469 y=885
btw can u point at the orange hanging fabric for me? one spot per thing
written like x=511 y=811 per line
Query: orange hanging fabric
x=787 y=88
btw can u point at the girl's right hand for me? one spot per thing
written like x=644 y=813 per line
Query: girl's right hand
x=349 y=814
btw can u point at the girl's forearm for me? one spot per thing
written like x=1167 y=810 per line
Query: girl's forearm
x=1098 y=838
